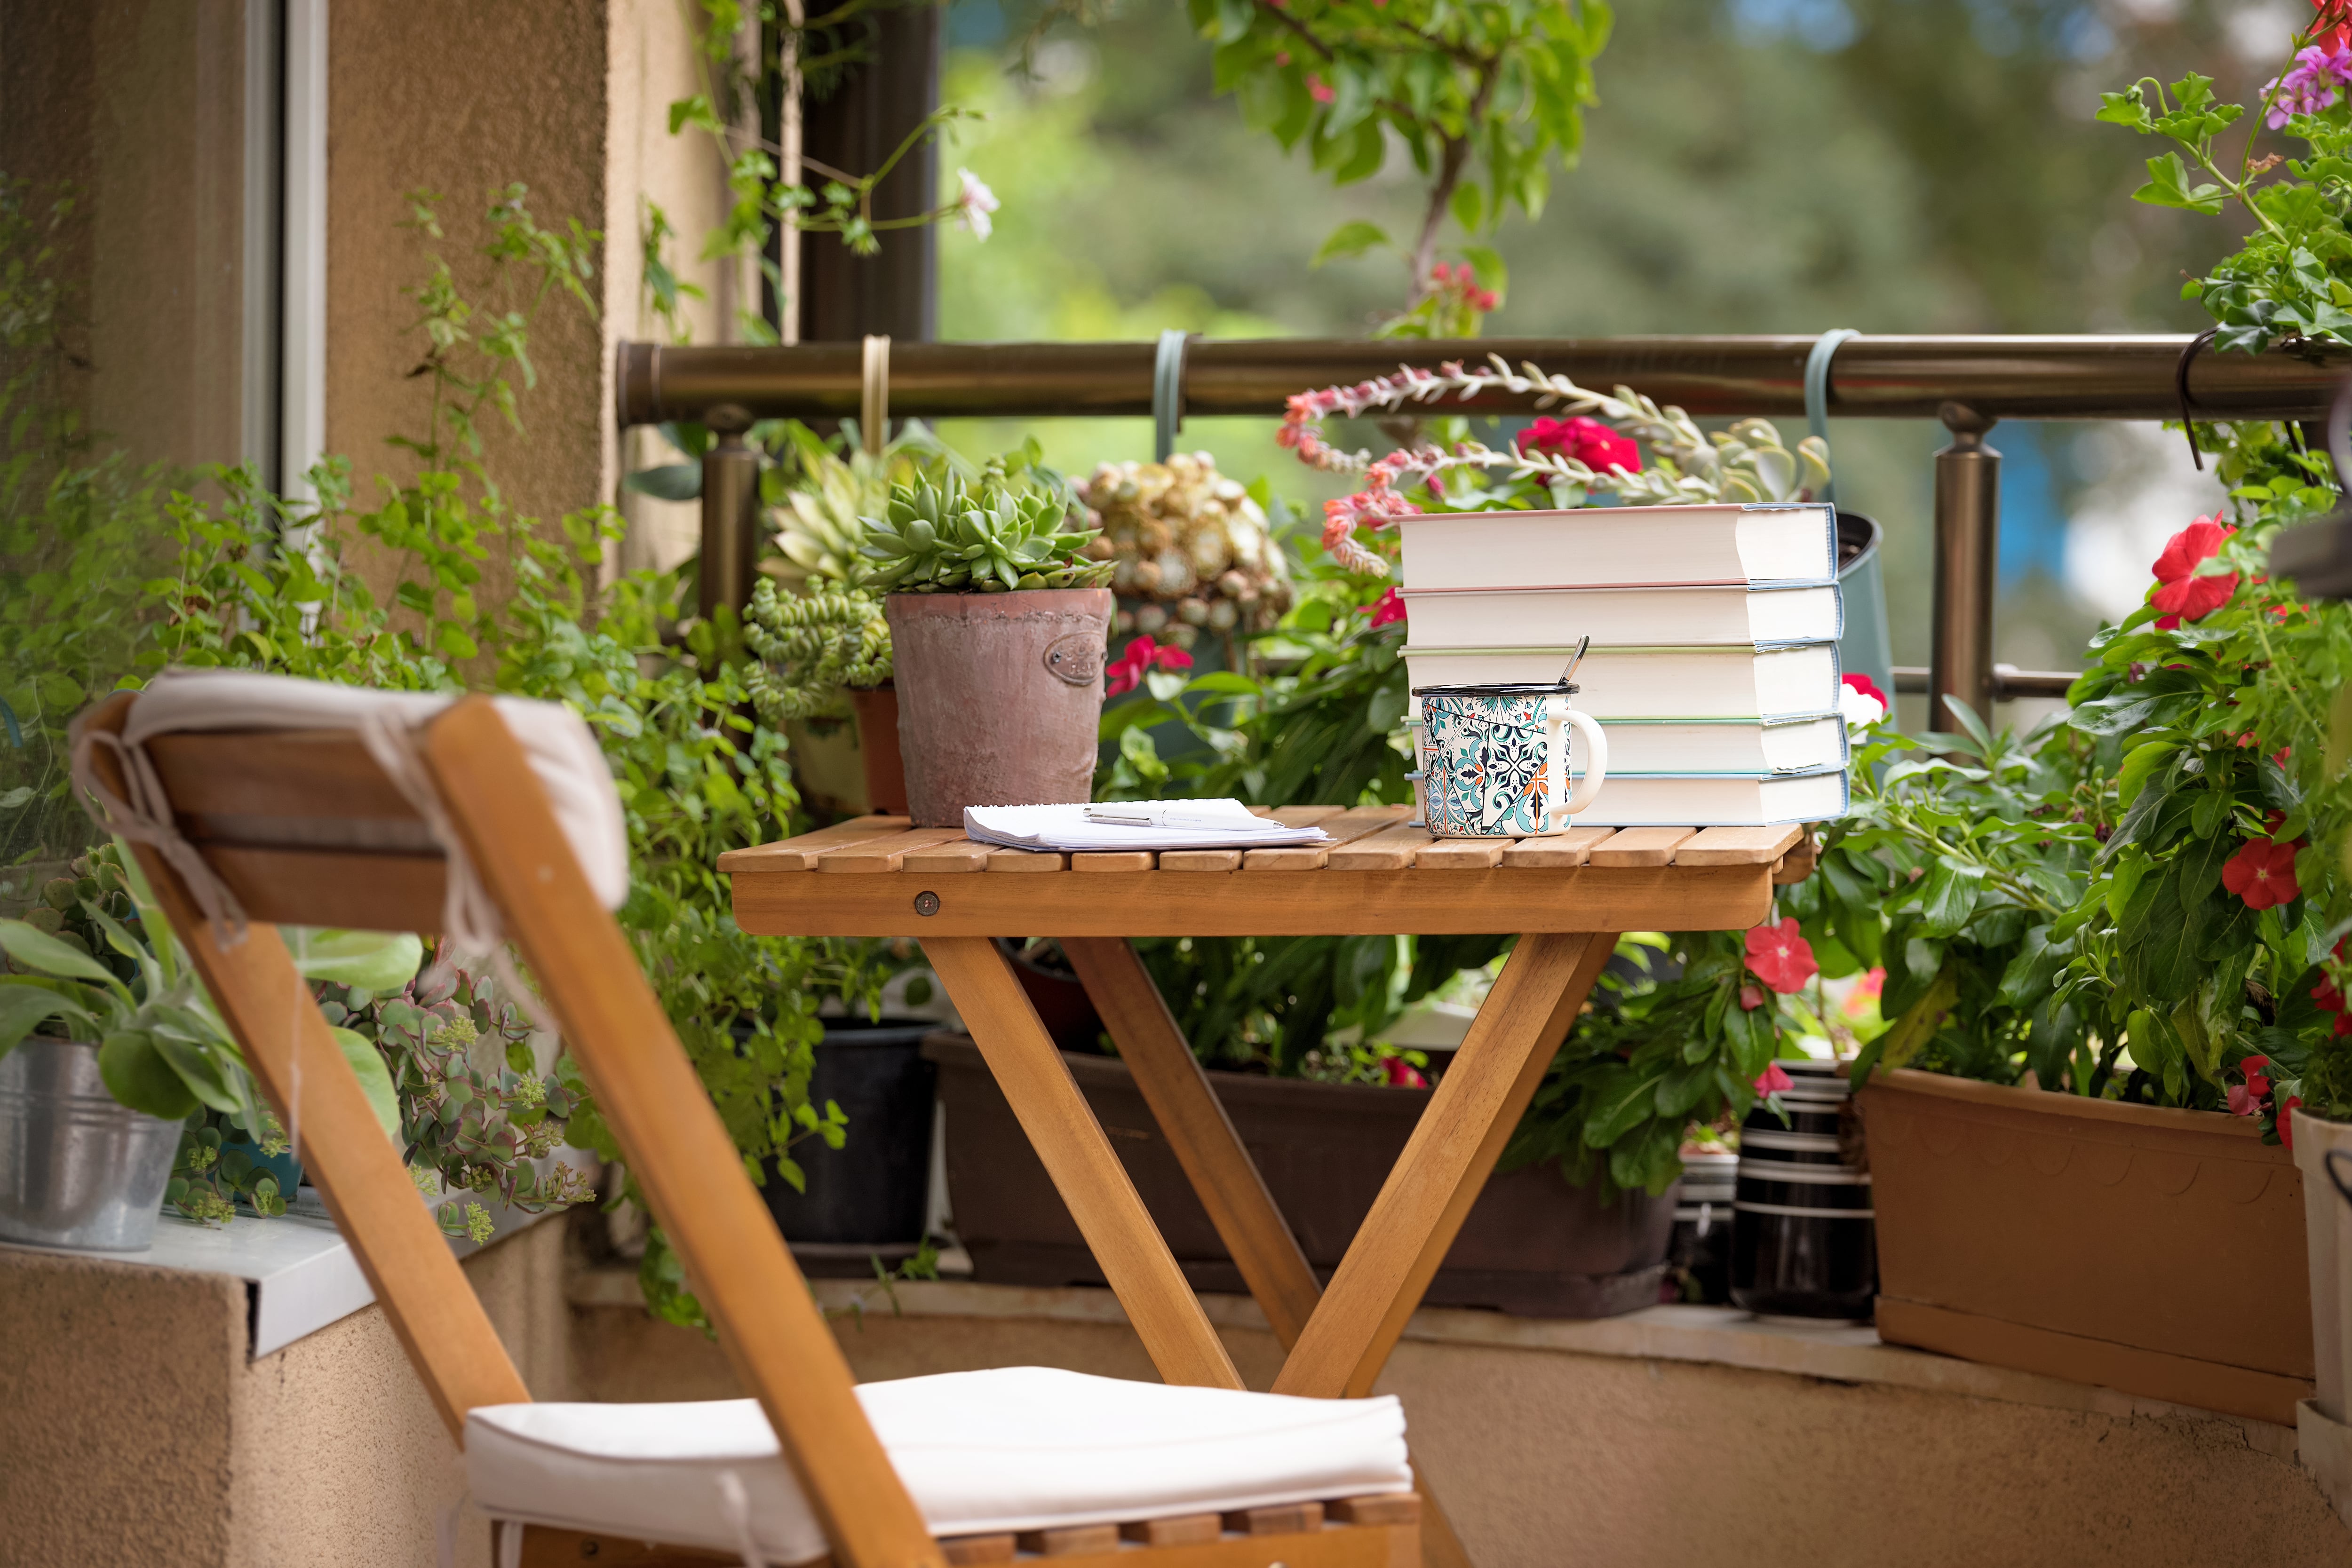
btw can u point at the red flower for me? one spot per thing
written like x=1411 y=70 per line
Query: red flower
x=2286 y=1120
x=1400 y=1074
x=2333 y=24
x=1588 y=441
x=2327 y=994
x=1127 y=673
x=1388 y=609
x=2262 y=874
x=1781 y=957
x=1750 y=997
x=2182 y=594
x=2244 y=1101
x=2258 y=1078
x=1869 y=689
x=1320 y=89
x=1773 y=1079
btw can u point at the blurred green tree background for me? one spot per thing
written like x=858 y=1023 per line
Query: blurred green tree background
x=1753 y=166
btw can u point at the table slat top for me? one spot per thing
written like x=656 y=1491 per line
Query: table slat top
x=882 y=876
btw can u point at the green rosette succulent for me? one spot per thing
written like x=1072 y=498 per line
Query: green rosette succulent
x=947 y=539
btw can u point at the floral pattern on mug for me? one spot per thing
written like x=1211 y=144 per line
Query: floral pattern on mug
x=1483 y=757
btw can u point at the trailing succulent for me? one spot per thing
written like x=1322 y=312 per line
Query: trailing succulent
x=473 y=1110
x=811 y=646
x=990 y=538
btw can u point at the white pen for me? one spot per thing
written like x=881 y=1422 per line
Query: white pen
x=1151 y=815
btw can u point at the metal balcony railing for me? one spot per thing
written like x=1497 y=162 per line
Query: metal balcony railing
x=1967 y=382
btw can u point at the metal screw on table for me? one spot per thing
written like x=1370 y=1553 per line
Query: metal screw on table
x=926 y=903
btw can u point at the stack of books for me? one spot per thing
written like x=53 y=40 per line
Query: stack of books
x=1714 y=666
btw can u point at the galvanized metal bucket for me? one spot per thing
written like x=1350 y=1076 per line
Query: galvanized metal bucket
x=77 y=1169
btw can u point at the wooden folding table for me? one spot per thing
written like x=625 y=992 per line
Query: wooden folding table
x=1569 y=896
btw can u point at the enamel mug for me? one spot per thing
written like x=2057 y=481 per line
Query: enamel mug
x=1495 y=760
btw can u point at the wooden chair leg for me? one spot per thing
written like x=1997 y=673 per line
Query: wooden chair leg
x=1422 y=1204
x=675 y=1143
x=1193 y=1121
x=1061 y=1126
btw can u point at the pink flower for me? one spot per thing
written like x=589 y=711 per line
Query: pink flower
x=1773 y=1079
x=1869 y=689
x=2257 y=1073
x=2262 y=874
x=1127 y=673
x=2182 y=594
x=2244 y=1101
x=2310 y=84
x=1781 y=957
x=1588 y=441
x=1750 y=997
x=1318 y=90
x=1400 y=1074
x=1388 y=609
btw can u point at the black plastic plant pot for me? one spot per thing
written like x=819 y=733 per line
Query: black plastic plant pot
x=871 y=1192
x=1802 y=1240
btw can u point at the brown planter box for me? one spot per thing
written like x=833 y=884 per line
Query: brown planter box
x=2156 y=1251
x=1532 y=1245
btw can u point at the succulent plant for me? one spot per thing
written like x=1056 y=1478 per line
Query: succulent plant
x=1190 y=544
x=474 y=1112
x=993 y=538
x=819 y=532
x=810 y=647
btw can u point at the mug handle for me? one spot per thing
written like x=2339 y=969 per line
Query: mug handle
x=1596 y=759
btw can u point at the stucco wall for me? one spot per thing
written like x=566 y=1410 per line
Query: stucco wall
x=138 y=1433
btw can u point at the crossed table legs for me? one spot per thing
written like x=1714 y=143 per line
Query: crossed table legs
x=1337 y=1340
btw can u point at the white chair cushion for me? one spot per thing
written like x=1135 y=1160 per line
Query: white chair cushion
x=1024 y=1447
x=564 y=754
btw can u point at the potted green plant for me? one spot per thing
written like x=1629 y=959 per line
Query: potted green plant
x=998 y=633
x=108 y=1047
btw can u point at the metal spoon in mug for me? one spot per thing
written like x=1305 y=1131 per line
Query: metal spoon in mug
x=1575 y=659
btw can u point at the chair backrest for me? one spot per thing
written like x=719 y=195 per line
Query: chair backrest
x=274 y=815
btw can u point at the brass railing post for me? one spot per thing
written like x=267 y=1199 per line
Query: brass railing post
x=1968 y=539
x=731 y=512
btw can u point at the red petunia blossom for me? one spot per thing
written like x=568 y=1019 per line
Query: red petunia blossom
x=1127 y=672
x=2258 y=1075
x=1781 y=957
x=2262 y=874
x=2286 y=1119
x=1388 y=609
x=1869 y=689
x=1588 y=441
x=1773 y=1079
x=1400 y=1074
x=2181 y=593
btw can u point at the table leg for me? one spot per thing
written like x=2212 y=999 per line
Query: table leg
x=1201 y=1136
x=1198 y=1131
x=1422 y=1206
x=1061 y=1126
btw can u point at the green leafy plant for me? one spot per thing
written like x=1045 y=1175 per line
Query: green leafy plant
x=1009 y=529
x=1483 y=95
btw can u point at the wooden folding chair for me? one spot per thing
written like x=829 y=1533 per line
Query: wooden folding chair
x=304 y=827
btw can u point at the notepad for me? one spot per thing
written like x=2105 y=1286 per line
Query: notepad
x=1224 y=824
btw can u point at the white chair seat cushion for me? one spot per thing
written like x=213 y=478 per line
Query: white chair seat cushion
x=564 y=757
x=1024 y=1447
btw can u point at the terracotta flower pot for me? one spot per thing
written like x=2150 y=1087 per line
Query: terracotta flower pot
x=2156 y=1251
x=1000 y=696
x=876 y=708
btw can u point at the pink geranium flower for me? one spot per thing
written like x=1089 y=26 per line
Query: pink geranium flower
x=1127 y=672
